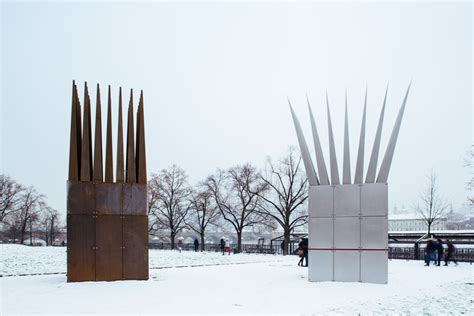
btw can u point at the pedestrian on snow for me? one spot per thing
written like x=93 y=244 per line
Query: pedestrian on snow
x=300 y=252
x=305 y=250
x=440 y=250
x=222 y=245
x=430 y=250
x=196 y=244
x=449 y=253
x=227 y=246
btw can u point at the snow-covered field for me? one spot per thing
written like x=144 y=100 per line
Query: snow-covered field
x=274 y=285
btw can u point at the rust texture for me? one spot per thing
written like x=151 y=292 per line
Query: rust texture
x=107 y=221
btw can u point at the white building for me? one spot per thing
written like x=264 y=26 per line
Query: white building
x=409 y=222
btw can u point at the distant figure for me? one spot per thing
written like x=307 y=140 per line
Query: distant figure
x=227 y=246
x=180 y=245
x=222 y=245
x=305 y=250
x=449 y=253
x=282 y=246
x=430 y=250
x=300 y=253
x=196 y=244
x=440 y=250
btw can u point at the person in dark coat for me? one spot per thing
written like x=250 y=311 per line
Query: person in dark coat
x=305 y=250
x=300 y=253
x=196 y=244
x=440 y=250
x=430 y=250
x=449 y=253
x=222 y=245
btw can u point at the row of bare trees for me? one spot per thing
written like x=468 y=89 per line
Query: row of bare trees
x=241 y=197
x=24 y=212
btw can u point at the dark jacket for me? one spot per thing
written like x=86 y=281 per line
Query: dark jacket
x=450 y=247
x=430 y=245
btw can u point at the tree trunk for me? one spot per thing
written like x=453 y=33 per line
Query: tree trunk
x=31 y=233
x=172 y=240
x=239 y=242
x=22 y=232
x=286 y=241
x=202 y=241
x=51 y=235
x=429 y=228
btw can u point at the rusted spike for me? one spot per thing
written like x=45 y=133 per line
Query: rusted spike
x=98 y=168
x=119 y=176
x=78 y=131
x=109 y=165
x=86 y=153
x=73 y=142
x=141 y=155
x=131 y=176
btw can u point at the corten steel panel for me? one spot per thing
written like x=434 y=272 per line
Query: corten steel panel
x=374 y=266
x=80 y=197
x=135 y=251
x=347 y=200
x=80 y=247
x=108 y=198
x=374 y=232
x=320 y=232
x=347 y=266
x=109 y=248
x=347 y=232
x=321 y=201
x=374 y=199
x=135 y=201
x=320 y=266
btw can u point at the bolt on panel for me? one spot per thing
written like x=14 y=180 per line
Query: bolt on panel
x=108 y=198
x=80 y=197
x=347 y=200
x=108 y=248
x=80 y=248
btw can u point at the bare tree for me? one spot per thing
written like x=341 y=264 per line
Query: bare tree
x=237 y=195
x=203 y=211
x=50 y=220
x=31 y=203
x=10 y=196
x=469 y=163
x=432 y=206
x=169 y=196
x=287 y=194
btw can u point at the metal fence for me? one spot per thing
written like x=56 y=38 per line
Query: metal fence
x=412 y=253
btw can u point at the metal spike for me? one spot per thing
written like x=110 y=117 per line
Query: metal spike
x=308 y=164
x=73 y=142
x=359 y=172
x=109 y=164
x=372 y=169
x=140 y=150
x=78 y=131
x=86 y=153
x=119 y=176
x=131 y=175
x=98 y=171
x=323 y=174
x=332 y=149
x=346 y=171
x=387 y=159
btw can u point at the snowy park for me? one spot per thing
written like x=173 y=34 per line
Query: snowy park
x=208 y=282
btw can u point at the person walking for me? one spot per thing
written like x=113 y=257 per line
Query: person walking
x=440 y=250
x=196 y=244
x=305 y=251
x=430 y=250
x=300 y=253
x=449 y=253
x=222 y=245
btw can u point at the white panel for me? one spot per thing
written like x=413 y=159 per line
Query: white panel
x=374 y=199
x=320 y=267
x=320 y=233
x=374 y=266
x=346 y=266
x=320 y=201
x=347 y=232
x=347 y=200
x=374 y=232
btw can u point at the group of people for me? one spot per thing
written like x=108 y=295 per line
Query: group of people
x=435 y=251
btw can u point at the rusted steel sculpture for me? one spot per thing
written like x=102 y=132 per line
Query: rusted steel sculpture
x=348 y=225
x=107 y=221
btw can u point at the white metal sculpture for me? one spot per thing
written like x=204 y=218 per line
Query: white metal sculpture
x=348 y=225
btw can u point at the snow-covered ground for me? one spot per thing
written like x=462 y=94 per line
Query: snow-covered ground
x=277 y=285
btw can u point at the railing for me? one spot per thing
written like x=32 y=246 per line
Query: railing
x=410 y=253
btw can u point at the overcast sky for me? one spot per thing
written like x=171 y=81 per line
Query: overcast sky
x=216 y=77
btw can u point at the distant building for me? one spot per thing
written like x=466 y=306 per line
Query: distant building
x=411 y=222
